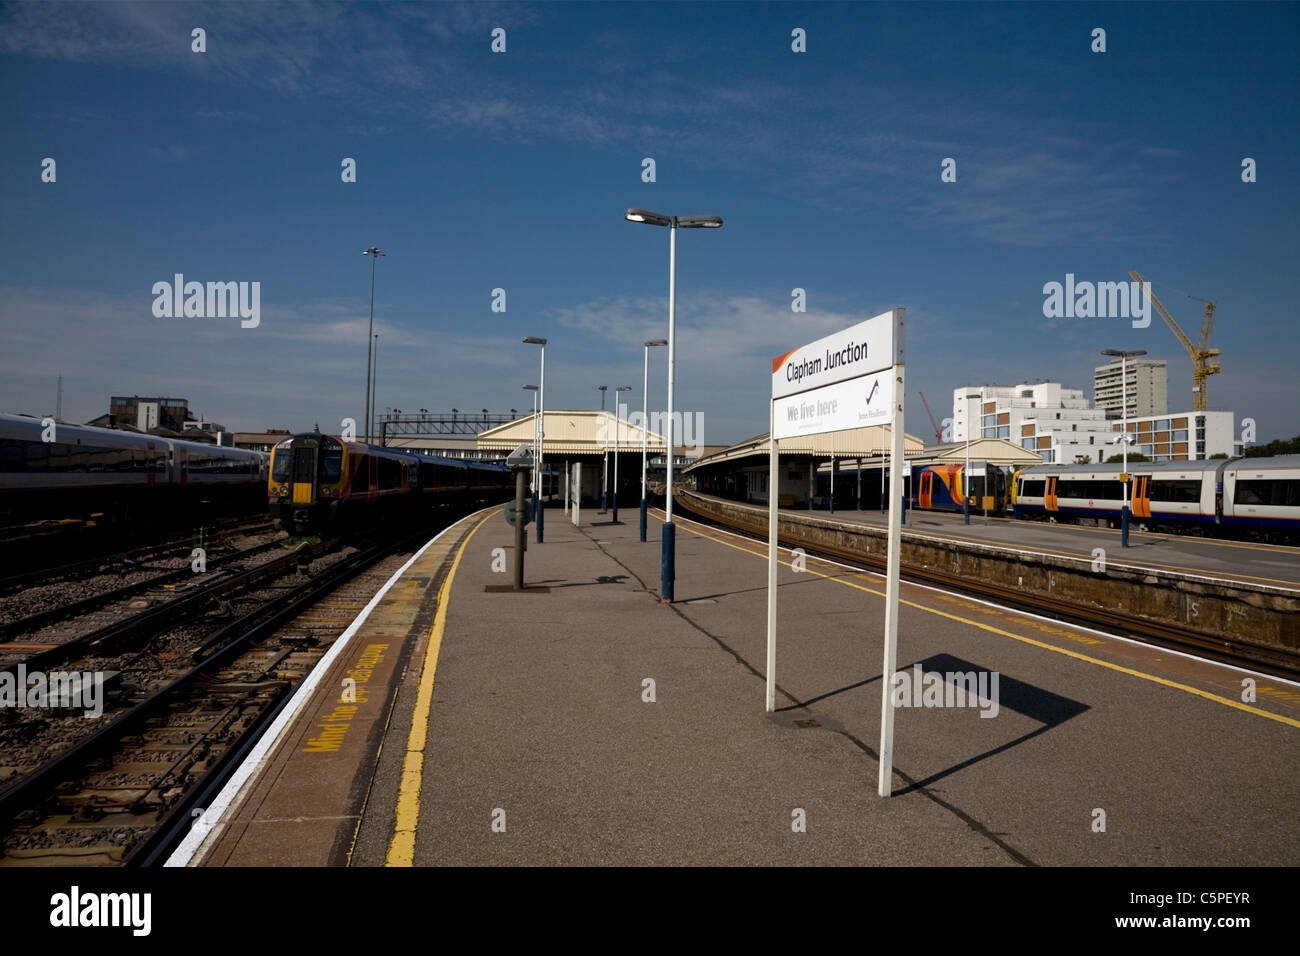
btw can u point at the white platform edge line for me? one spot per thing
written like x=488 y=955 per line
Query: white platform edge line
x=210 y=822
x=1011 y=610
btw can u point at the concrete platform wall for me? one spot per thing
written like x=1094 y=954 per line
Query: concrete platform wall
x=1256 y=615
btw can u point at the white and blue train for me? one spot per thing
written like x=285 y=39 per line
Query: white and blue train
x=1246 y=497
x=83 y=470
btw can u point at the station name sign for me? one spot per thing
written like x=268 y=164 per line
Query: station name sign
x=867 y=347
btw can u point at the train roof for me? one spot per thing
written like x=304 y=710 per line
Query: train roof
x=29 y=427
x=1275 y=461
x=1144 y=467
x=407 y=453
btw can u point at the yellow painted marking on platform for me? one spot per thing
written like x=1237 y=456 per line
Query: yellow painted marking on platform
x=1237 y=705
x=401 y=849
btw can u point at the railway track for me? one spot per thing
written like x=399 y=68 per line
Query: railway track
x=160 y=584
x=1240 y=652
x=124 y=793
x=105 y=548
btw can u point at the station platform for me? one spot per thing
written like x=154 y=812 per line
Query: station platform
x=1249 y=561
x=583 y=721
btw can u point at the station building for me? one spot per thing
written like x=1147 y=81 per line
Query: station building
x=599 y=441
x=149 y=413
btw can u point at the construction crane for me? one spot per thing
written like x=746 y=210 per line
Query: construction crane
x=938 y=432
x=1204 y=361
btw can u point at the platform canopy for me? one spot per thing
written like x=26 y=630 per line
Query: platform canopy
x=995 y=451
x=573 y=433
x=866 y=442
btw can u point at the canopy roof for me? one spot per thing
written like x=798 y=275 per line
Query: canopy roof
x=573 y=433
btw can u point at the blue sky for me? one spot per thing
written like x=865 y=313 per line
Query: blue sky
x=479 y=170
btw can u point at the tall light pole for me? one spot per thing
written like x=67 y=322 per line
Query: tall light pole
x=645 y=422
x=374 y=387
x=604 y=468
x=668 y=569
x=1123 y=434
x=618 y=440
x=965 y=475
x=374 y=253
x=539 y=500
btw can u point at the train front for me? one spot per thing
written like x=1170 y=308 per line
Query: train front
x=306 y=481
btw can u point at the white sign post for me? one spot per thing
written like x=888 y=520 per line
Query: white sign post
x=847 y=380
x=577 y=493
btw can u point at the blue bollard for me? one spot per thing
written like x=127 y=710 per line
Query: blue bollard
x=667 y=569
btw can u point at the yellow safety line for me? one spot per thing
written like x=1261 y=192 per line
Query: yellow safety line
x=1290 y=721
x=401 y=849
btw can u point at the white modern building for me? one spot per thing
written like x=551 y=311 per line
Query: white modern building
x=1051 y=419
x=1184 y=436
x=1146 y=393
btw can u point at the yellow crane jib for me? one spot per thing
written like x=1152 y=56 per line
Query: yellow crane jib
x=1203 y=361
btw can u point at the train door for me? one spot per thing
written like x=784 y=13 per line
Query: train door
x=1142 y=496
x=927 y=479
x=183 y=466
x=150 y=469
x=1049 y=496
x=302 y=470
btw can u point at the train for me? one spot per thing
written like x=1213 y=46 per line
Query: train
x=1238 y=497
x=53 y=470
x=319 y=482
x=939 y=487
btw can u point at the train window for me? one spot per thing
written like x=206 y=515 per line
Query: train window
x=280 y=470
x=1178 y=491
x=1070 y=488
x=390 y=474
x=1277 y=492
x=1033 y=488
x=1253 y=492
x=1081 y=489
x=13 y=454
x=331 y=462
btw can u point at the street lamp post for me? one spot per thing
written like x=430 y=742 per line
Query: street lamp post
x=374 y=387
x=965 y=475
x=645 y=422
x=668 y=569
x=539 y=499
x=374 y=253
x=604 y=465
x=618 y=440
x=1123 y=433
